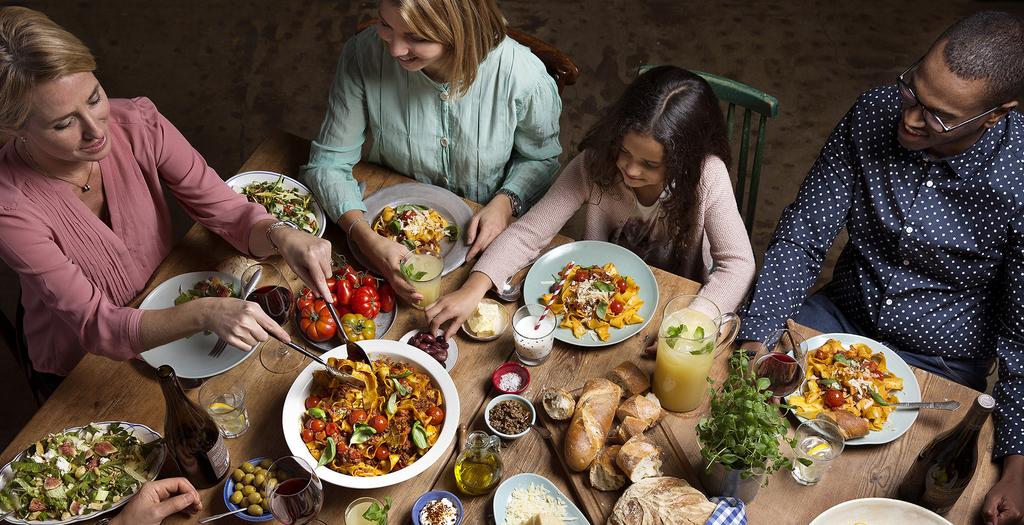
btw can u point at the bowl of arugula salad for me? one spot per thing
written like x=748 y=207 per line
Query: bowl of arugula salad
x=79 y=473
x=284 y=197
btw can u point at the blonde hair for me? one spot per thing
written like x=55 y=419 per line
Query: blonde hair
x=468 y=29
x=33 y=50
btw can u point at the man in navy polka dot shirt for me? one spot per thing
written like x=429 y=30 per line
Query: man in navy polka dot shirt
x=927 y=177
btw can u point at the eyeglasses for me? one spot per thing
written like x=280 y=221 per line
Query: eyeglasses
x=908 y=99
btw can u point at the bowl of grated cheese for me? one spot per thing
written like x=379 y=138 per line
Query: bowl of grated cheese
x=529 y=498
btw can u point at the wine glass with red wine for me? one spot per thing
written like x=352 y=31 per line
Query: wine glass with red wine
x=298 y=496
x=273 y=294
x=782 y=360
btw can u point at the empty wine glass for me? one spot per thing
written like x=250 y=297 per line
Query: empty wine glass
x=274 y=295
x=298 y=496
x=782 y=360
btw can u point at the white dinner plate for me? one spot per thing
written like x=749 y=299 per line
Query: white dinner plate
x=189 y=356
x=294 y=407
x=504 y=491
x=453 y=348
x=244 y=179
x=878 y=511
x=899 y=420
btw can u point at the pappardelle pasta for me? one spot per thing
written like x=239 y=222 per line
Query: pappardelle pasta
x=855 y=380
x=383 y=428
x=595 y=298
x=415 y=226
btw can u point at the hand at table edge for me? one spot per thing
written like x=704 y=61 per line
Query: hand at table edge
x=159 y=499
x=1004 y=503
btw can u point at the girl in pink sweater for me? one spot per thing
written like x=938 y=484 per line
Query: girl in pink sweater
x=651 y=177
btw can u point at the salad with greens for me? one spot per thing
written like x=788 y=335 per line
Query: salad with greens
x=212 y=287
x=78 y=472
x=287 y=204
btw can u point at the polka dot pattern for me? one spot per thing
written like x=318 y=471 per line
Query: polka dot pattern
x=935 y=259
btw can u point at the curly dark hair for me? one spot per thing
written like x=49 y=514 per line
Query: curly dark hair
x=679 y=110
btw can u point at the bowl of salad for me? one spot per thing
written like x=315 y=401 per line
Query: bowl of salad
x=80 y=473
x=284 y=197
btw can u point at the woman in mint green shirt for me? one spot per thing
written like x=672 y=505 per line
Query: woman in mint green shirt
x=449 y=100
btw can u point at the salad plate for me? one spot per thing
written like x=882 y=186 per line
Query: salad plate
x=288 y=199
x=544 y=274
x=137 y=457
x=447 y=204
x=190 y=356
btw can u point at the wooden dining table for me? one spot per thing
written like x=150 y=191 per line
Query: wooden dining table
x=99 y=389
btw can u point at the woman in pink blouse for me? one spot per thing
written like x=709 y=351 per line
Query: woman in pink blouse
x=83 y=220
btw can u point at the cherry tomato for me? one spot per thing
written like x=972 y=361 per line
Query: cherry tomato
x=331 y=429
x=379 y=423
x=340 y=448
x=382 y=452
x=621 y=284
x=436 y=415
x=316 y=425
x=581 y=275
x=311 y=402
x=307 y=435
x=834 y=398
x=387 y=297
x=616 y=307
x=357 y=416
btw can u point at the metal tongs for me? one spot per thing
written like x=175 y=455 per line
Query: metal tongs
x=352 y=349
x=347 y=379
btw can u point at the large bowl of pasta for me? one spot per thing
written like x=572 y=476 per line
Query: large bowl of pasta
x=382 y=435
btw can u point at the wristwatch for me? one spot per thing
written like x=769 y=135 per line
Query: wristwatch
x=276 y=226
x=517 y=203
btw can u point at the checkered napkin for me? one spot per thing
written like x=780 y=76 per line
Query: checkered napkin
x=730 y=511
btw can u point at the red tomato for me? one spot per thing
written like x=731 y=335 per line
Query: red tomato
x=316 y=322
x=365 y=303
x=307 y=435
x=368 y=280
x=834 y=398
x=621 y=284
x=331 y=429
x=343 y=293
x=379 y=423
x=316 y=425
x=382 y=452
x=436 y=415
x=581 y=275
x=347 y=272
x=616 y=307
x=331 y=283
x=340 y=448
x=305 y=299
x=387 y=297
x=357 y=416
x=311 y=402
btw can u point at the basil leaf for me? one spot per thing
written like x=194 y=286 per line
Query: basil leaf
x=842 y=359
x=706 y=348
x=328 y=454
x=602 y=310
x=403 y=375
x=395 y=226
x=452 y=232
x=392 y=405
x=698 y=333
x=378 y=514
x=316 y=413
x=877 y=397
x=401 y=389
x=419 y=436
x=830 y=383
x=361 y=433
x=603 y=286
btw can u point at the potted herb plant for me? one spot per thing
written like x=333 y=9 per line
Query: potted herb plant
x=741 y=435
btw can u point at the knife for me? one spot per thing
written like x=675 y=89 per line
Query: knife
x=940 y=405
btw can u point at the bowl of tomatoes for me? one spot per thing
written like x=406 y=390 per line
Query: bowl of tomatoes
x=365 y=304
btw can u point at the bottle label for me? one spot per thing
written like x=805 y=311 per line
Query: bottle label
x=218 y=455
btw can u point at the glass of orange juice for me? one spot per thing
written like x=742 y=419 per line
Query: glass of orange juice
x=689 y=338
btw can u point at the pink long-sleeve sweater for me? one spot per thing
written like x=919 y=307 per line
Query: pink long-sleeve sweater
x=607 y=210
x=76 y=272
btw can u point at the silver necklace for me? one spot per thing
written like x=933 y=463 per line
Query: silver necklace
x=35 y=165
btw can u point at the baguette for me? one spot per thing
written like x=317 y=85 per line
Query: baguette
x=630 y=378
x=645 y=408
x=629 y=427
x=849 y=425
x=595 y=412
x=558 y=403
x=604 y=473
x=639 y=459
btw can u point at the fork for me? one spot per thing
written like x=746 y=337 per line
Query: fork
x=218 y=348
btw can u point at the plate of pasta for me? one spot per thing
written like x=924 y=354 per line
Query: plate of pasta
x=861 y=377
x=601 y=292
x=420 y=215
x=385 y=434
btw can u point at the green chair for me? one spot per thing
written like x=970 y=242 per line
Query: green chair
x=752 y=101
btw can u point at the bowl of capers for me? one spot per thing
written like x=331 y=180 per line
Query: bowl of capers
x=247 y=487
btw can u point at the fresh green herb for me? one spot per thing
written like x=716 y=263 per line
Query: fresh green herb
x=402 y=208
x=378 y=514
x=361 y=433
x=400 y=388
x=418 y=435
x=410 y=273
x=316 y=413
x=392 y=406
x=743 y=429
x=409 y=244
x=395 y=226
x=830 y=383
x=706 y=348
x=698 y=333
x=403 y=375
x=452 y=232
x=842 y=359
x=676 y=331
x=328 y=455
x=603 y=286
x=602 y=310
x=877 y=397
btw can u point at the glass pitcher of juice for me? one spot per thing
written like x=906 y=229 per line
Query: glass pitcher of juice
x=693 y=331
x=478 y=468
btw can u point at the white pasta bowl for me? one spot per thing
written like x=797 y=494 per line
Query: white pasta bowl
x=294 y=407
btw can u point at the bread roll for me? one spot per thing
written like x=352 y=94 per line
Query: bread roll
x=235 y=265
x=630 y=379
x=629 y=427
x=558 y=403
x=639 y=459
x=850 y=425
x=604 y=473
x=646 y=408
x=595 y=412
x=661 y=501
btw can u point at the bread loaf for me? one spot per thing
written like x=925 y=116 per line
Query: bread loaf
x=646 y=408
x=604 y=473
x=558 y=403
x=639 y=459
x=850 y=426
x=629 y=427
x=595 y=412
x=630 y=379
x=661 y=501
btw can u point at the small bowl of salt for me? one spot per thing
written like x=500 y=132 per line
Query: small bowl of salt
x=511 y=378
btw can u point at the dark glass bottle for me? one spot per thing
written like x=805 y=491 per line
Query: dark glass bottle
x=945 y=467
x=192 y=438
